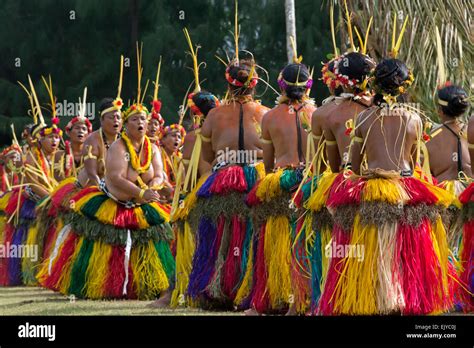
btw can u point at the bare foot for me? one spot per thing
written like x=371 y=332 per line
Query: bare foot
x=251 y=312
x=162 y=302
x=291 y=311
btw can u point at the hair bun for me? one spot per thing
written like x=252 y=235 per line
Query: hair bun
x=456 y=97
x=243 y=75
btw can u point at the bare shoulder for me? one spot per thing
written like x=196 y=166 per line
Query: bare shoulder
x=261 y=109
x=366 y=114
x=270 y=114
x=58 y=155
x=412 y=116
x=30 y=158
x=155 y=149
x=92 y=139
x=190 y=137
x=117 y=148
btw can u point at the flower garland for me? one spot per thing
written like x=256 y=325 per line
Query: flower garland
x=54 y=129
x=251 y=82
x=344 y=80
x=134 y=109
x=328 y=77
x=168 y=129
x=140 y=168
x=79 y=119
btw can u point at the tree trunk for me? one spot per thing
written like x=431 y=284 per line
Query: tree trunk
x=290 y=27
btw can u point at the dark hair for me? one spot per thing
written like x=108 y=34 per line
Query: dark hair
x=28 y=129
x=355 y=65
x=205 y=101
x=338 y=89
x=456 y=97
x=241 y=72
x=390 y=74
x=105 y=104
x=291 y=73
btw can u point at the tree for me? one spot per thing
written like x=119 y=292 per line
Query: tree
x=290 y=27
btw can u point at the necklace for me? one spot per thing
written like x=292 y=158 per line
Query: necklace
x=139 y=167
x=104 y=139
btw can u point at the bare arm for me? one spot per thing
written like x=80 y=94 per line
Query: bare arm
x=37 y=186
x=159 y=175
x=268 y=148
x=188 y=146
x=356 y=156
x=89 y=151
x=332 y=151
x=207 y=153
x=470 y=137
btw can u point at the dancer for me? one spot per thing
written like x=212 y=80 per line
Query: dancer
x=117 y=245
x=281 y=279
x=449 y=157
x=171 y=140
x=225 y=233
x=183 y=212
x=42 y=170
x=78 y=129
x=347 y=77
x=387 y=215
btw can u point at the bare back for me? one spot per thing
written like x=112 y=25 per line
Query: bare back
x=332 y=120
x=443 y=153
x=222 y=126
x=390 y=140
x=280 y=126
x=335 y=124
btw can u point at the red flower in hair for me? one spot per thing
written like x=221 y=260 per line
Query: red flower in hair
x=156 y=106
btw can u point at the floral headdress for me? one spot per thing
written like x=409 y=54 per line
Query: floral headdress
x=171 y=128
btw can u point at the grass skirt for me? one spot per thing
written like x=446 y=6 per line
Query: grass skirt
x=466 y=250
x=224 y=236
x=17 y=235
x=317 y=225
x=185 y=245
x=106 y=250
x=281 y=268
x=389 y=251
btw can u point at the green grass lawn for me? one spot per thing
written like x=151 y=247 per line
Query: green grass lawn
x=39 y=301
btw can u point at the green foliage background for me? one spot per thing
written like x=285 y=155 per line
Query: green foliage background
x=79 y=42
x=85 y=51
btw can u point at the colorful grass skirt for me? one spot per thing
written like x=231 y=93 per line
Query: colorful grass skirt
x=107 y=250
x=389 y=251
x=316 y=225
x=466 y=251
x=281 y=270
x=185 y=244
x=19 y=251
x=224 y=236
